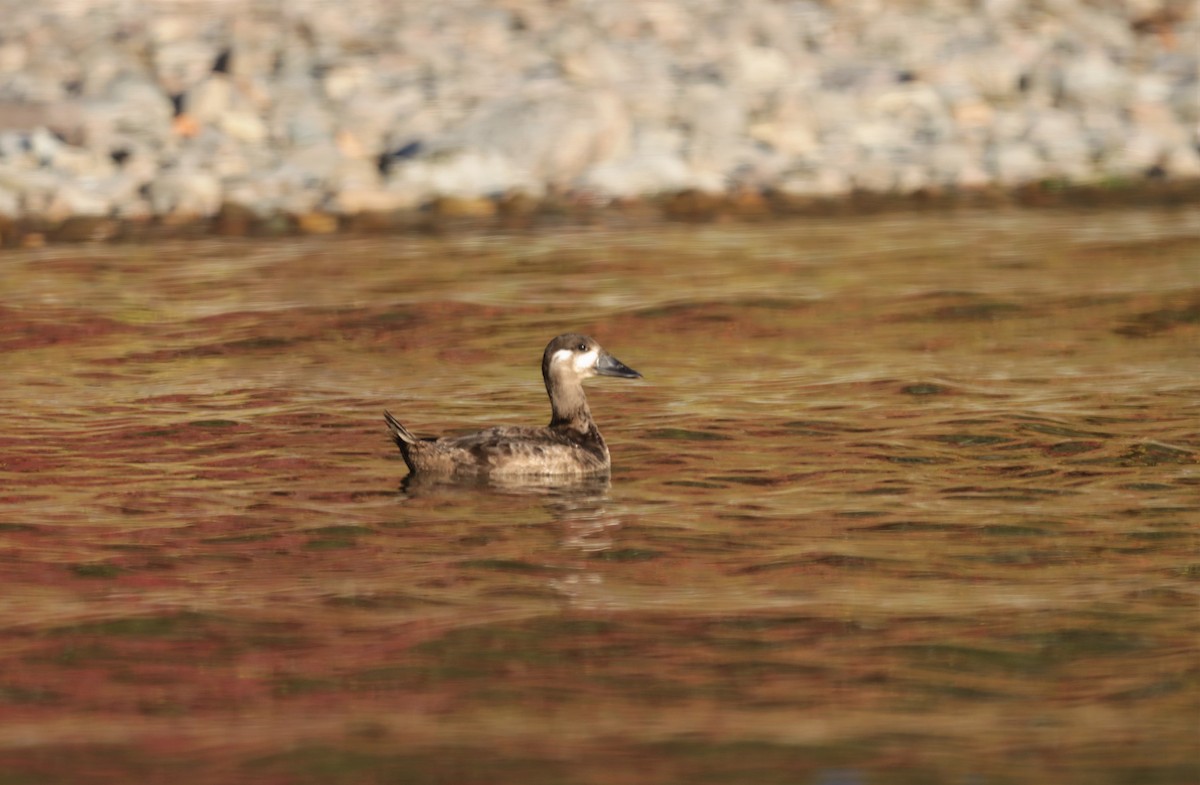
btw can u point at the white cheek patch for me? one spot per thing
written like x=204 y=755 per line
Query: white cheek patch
x=586 y=361
x=583 y=364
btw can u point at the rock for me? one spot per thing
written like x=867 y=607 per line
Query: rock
x=1142 y=152
x=185 y=194
x=1095 y=80
x=460 y=207
x=82 y=198
x=1182 y=161
x=1059 y=139
x=234 y=220
x=788 y=125
x=116 y=109
x=180 y=60
x=1014 y=163
x=547 y=136
x=760 y=67
x=10 y=203
x=217 y=102
x=875 y=174
x=14 y=56
x=715 y=120
x=209 y=99
x=80 y=229
x=244 y=125
x=137 y=107
x=957 y=166
x=354 y=200
x=748 y=203
x=694 y=205
x=464 y=174
x=819 y=182
x=316 y=223
x=911 y=178
x=36 y=187
x=304 y=124
x=517 y=205
x=654 y=166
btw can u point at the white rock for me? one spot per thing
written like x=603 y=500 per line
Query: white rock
x=911 y=178
x=342 y=82
x=916 y=109
x=1059 y=138
x=44 y=146
x=355 y=173
x=312 y=164
x=716 y=123
x=263 y=199
x=351 y=201
x=1014 y=163
x=464 y=174
x=138 y=108
x=81 y=197
x=1182 y=161
x=10 y=203
x=12 y=147
x=185 y=192
x=760 y=67
x=1104 y=132
x=1095 y=79
x=1142 y=150
x=135 y=208
x=14 y=57
x=957 y=165
x=244 y=125
x=548 y=136
x=821 y=182
x=35 y=187
x=639 y=175
x=383 y=121
x=972 y=175
x=209 y=99
x=878 y=134
x=183 y=62
x=875 y=174
x=299 y=202
x=301 y=120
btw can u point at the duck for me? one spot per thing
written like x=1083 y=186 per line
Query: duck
x=570 y=446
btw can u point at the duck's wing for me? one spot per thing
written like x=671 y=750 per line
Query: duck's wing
x=517 y=450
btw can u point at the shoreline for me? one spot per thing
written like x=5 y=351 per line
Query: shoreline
x=518 y=213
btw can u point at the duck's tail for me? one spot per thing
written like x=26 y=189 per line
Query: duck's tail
x=398 y=431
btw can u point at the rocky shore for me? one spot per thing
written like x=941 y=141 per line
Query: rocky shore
x=322 y=114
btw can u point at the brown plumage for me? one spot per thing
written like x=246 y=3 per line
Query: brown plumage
x=570 y=445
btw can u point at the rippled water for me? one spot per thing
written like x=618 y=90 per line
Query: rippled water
x=913 y=499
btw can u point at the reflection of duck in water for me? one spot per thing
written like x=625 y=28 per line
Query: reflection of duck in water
x=570 y=446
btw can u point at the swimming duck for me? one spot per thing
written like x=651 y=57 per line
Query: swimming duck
x=570 y=445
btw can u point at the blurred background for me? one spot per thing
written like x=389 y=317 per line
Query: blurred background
x=174 y=110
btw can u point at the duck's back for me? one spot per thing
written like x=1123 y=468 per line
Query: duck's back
x=511 y=451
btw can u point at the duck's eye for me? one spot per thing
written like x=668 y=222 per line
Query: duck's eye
x=581 y=347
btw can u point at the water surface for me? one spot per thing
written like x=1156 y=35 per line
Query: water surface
x=903 y=499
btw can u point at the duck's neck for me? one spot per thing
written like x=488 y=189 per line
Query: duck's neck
x=569 y=406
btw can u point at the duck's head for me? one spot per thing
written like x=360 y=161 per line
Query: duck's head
x=577 y=356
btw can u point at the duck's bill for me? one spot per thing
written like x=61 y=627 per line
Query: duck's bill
x=608 y=365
